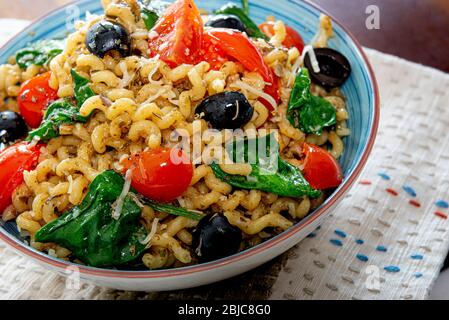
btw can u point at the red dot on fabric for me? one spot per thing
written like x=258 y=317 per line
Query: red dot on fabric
x=415 y=203
x=392 y=191
x=441 y=214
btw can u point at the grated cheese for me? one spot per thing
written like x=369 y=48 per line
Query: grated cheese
x=153 y=231
x=237 y=110
x=127 y=78
x=136 y=200
x=242 y=85
x=118 y=204
x=35 y=141
x=152 y=72
x=156 y=96
x=315 y=65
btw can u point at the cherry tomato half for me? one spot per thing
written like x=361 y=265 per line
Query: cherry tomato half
x=13 y=161
x=178 y=34
x=321 y=169
x=34 y=96
x=161 y=174
x=292 y=39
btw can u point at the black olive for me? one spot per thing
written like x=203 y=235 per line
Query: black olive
x=12 y=127
x=105 y=36
x=334 y=68
x=226 y=21
x=226 y=110
x=215 y=238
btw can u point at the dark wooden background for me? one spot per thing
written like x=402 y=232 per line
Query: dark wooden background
x=417 y=30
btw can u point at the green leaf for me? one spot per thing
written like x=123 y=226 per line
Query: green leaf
x=251 y=28
x=307 y=112
x=90 y=231
x=59 y=112
x=316 y=115
x=269 y=173
x=151 y=11
x=39 y=53
x=170 y=209
x=82 y=89
x=149 y=18
x=245 y=7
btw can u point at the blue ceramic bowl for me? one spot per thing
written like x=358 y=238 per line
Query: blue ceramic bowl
x=363 y=104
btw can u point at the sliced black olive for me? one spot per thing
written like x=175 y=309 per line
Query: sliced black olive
x=215 y=238
x=105 y=36
x=226 y=110
x=227 y=21
x=334 y=68
x=12 y=127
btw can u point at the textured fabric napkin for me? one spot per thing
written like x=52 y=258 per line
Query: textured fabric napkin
x=386 y=240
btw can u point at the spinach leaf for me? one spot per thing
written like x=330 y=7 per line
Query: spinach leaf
x=59 y=112
x=269 y=172
x=90 y=231
x=251 y=28
x=81 y=88
x=63 y=111
x=308 y=112
x=94 y=236
x=39 y=53
x=316 y=115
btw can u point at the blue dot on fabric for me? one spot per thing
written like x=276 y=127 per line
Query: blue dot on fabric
x=381 y=248
x=336 y=242
x=410 y=191
x=362 y=257
x=384 y=176
x=340 y=233
x=311 y=235
x=417 y=257
x=359 y=241
x=442 y=204
x=418 y=275
x=392 y=269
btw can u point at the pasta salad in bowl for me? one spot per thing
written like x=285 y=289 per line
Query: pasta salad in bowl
x=170 y=139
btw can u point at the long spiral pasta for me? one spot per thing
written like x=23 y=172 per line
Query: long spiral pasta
x=141 y=103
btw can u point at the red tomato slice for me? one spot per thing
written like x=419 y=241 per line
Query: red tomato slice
x=13 y=161
x=34 y=96
x=178 y=34
x=321 y=169
x=237 y=46
x=212 y=53
x=292 y=39
x=161 y=174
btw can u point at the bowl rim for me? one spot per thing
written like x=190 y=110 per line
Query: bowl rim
x=26 y=250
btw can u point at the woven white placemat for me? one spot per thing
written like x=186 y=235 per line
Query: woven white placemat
x=386 y=240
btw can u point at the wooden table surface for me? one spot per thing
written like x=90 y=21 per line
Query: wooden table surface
x=416 y=30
